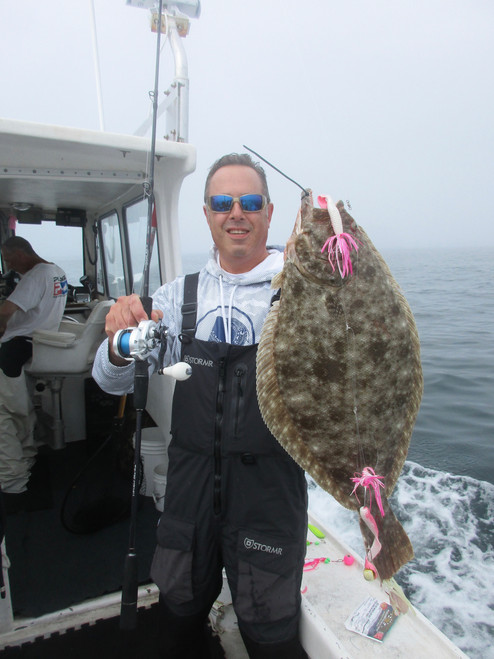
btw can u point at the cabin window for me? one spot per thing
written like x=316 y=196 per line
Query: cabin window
x=112 y=255
x=61 y=245
x=136 y=220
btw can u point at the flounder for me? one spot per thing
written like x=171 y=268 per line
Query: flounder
x=339 y=377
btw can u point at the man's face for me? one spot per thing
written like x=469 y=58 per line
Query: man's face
x=11 y=260
x=239 y=236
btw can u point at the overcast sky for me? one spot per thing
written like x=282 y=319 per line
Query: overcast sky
x=388 y=104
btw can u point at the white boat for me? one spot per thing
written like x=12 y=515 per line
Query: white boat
x=331 y=593
x=93 y=182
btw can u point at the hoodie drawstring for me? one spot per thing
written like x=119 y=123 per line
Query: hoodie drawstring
x=227 y=321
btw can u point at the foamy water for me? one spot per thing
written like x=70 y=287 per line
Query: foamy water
x=449 y=521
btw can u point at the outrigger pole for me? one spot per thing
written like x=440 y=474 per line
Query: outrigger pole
x=128 y=609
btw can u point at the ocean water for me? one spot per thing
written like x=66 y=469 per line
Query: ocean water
x=451 y=294
x=445 y=495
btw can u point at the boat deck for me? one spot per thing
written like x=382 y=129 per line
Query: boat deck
x=52 y=568
x=332 y=591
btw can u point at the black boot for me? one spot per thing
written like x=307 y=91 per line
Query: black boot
x=285 y=650
x=183 y=637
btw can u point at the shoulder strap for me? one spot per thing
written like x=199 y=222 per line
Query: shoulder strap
x=189 y=307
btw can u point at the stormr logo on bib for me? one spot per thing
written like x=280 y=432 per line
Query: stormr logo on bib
x=259 y=546
x=198 y=361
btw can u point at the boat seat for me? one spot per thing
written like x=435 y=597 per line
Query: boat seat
x=71 y=349
x=68 y=352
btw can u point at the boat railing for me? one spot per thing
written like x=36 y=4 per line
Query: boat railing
x=175 y=105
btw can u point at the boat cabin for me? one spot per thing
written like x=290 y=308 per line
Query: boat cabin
x=93 y=185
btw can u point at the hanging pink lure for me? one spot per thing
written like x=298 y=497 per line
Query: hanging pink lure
x=368 y=519
x=341 y=244
x=369 y=479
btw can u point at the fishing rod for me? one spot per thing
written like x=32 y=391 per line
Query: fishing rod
x=150 y=184
x=304 y=190
x=128 y=609
x=136 y=343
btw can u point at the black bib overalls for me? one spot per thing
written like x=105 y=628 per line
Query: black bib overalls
x=234 y=498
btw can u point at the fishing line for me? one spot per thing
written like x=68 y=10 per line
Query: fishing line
x=350 y=336
x=350 y=339
x=362 y=459
x=306 y=192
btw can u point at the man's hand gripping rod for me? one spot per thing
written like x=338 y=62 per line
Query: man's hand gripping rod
x=135 y=343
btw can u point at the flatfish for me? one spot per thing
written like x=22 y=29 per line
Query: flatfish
x=339 y=377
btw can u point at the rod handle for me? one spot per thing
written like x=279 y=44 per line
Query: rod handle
x=147 y=303
x=128 y=607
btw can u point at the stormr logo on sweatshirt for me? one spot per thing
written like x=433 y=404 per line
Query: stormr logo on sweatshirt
x=60 y=286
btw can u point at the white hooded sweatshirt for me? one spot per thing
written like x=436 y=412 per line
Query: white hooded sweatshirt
x=230 y=308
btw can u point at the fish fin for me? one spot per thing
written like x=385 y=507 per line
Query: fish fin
x=277 y=280
x=396 y=548
x=271 y=404
x=268 y=393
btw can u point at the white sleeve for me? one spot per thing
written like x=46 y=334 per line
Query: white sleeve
x=116 y=380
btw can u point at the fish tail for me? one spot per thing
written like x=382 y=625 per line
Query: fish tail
x=396 y=548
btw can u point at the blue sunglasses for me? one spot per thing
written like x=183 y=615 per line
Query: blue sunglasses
x=250 y=203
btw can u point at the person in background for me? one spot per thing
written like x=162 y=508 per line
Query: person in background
x=37 y=302
x=234 y=497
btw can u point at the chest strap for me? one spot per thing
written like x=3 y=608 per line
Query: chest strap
x=189 y=307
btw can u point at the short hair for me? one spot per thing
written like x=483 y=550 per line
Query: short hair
x=15 y=243
x=242 y=159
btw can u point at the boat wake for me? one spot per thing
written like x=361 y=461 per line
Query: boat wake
x=449 y=521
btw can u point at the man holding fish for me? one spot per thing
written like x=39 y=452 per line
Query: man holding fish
x=234 y=498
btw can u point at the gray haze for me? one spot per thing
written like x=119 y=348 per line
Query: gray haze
x=387 y=104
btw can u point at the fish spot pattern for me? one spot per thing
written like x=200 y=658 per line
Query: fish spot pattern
x=339 y=377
